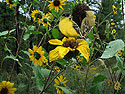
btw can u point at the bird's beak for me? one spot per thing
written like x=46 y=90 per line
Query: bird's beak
x=70 y=16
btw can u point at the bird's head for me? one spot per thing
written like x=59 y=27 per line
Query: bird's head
x=64 y=15
x=90 y=14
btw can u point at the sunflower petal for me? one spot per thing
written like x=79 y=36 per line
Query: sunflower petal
x=63 y=51
x=84 y=50
x=34 y=48
x=30 y=51
x=55 y=42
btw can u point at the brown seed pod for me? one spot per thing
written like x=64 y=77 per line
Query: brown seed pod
x=79 y=13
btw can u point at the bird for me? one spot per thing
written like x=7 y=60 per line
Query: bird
x=87 y=23
x=68 y=27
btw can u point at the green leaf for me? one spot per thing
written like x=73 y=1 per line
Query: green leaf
x=21 y=85
x=31 y=28
x=112 y=48
x=10 y=57
x=55 y=33
x=26 y=36
x=37 y=1
x=91 y=36
x=25 y=52
x=13 y=58
x=99 y=78
x=97 y=88
x=45 y=72
x=120 y=63
x=39 y=77
x=54 y=13
x=62 y=61
x=66 y=91
x=48 y=32
x=6 y=32
x=94 y=28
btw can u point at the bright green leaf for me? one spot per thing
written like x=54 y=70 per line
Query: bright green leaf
x=62 y=61
x=112 y=48
x=91 y=36
x=55 y=33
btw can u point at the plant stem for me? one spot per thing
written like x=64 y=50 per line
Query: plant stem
x=44 y=88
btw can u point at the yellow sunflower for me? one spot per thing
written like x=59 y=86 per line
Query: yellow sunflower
x=76 y=67
x=60 y=81
x=112 y=23
x=45 y=20
x=113 y=31
x=57 y=69
x=114 y=9
x=66 y=45
x=37 y=56
x=37 y=15
x=6 y=88
x=56 y=4
x=11 y=3
x=119 y=53
x=117 y=86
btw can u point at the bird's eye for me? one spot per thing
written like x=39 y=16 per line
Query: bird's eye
x=66 y=14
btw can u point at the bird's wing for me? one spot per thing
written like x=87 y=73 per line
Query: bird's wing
x=66 y=27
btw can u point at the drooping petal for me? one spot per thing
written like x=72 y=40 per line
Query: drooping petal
x=63 y=51
x=85 y=51
x=55 y=42
x=83 y=47
x=54 y=54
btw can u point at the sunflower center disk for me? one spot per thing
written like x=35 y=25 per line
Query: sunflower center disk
x=71 y=44
x=37 y=55
x=4 y=91
x=56 y=2
x=61 y=84
x=38 y=15
x=45 y=20
x=11 y=1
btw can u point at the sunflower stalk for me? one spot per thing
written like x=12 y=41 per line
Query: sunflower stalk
x=44 y=88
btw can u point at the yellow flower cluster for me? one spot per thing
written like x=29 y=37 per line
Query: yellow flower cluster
x=114 y=9
x=6 y=88
x=56 y=4
x=60 y=81
x=40 y=17
x=11 y=3
x=57 y=69
x=114 y=24
x=37 y=56
x=119 y=53
x=76 y=67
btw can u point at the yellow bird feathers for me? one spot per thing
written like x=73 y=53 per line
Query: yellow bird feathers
x=66 y=27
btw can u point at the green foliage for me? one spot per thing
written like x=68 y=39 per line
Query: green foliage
x=19 y=32
x=112 y=48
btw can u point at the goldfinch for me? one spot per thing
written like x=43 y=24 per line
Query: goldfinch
x=68 y=27
x=87 y=23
